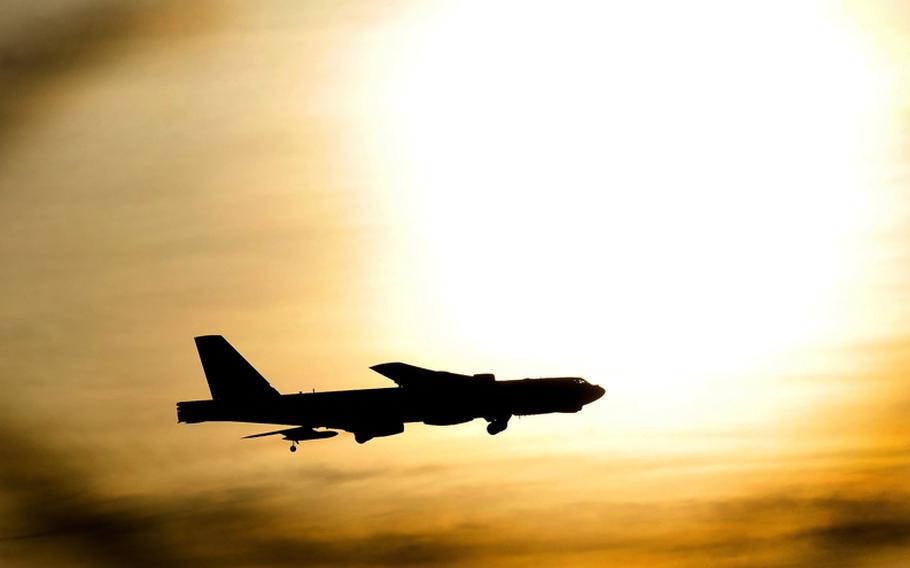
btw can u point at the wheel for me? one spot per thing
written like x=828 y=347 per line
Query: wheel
x=293 y=449
x=496 y=426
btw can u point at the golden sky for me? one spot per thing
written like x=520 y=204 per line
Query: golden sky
x=701 y=206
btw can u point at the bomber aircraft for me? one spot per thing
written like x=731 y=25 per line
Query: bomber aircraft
x=241 y=394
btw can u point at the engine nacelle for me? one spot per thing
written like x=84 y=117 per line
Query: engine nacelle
x=443 y=420
x=485 y=377
x=307 y=433
x=363 y=435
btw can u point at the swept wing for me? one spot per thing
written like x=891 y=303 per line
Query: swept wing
x=410 y=376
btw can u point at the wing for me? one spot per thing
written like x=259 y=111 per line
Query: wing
x=298 y=434
x=409 y=376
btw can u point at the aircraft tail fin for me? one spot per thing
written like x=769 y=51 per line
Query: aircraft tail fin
x=229 y=375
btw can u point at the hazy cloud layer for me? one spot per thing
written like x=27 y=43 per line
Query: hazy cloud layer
x=55 y=507
x=42 y=45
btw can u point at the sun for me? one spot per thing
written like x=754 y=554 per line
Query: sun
x=667 y=193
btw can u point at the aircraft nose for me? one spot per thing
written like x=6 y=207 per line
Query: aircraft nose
x=597 y=392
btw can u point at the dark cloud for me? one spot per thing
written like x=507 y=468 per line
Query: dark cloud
x=44 y=43
x=54 y=506
x=857 y=528
x=380 y=549
x=52 y=500
x=798 y=530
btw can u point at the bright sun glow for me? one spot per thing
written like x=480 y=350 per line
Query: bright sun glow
x=666 y=194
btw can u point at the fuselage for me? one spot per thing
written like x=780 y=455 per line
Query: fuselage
x=369 y=409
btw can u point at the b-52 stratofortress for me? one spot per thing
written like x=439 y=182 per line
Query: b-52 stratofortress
x=241 y=394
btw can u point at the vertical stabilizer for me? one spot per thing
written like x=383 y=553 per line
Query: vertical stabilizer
x=230 y=376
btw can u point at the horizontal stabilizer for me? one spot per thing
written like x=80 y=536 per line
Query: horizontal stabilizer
x=298 y=434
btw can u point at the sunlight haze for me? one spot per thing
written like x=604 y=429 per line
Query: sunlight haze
x=701 y=207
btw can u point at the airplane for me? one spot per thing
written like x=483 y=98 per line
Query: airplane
x=241 y=394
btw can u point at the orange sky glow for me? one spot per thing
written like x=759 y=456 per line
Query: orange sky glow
x=702 y=207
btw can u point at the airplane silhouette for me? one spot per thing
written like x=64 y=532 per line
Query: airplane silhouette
x=241 y=394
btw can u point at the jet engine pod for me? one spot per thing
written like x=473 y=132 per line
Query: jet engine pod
x=365 y=434
x=485 y=377
x=304 y=433
x=448 y=419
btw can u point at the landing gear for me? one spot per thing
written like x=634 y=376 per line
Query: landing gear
x=293 y=447
x=497 y=425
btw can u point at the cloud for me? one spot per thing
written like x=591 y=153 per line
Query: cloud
x=56 y=506
x=41 y=44
x=51 y=500
x=856 y=528
x=835 y=529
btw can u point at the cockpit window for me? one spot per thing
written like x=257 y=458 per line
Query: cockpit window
x=579 y=381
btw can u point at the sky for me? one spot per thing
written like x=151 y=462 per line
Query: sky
x=701 y=207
